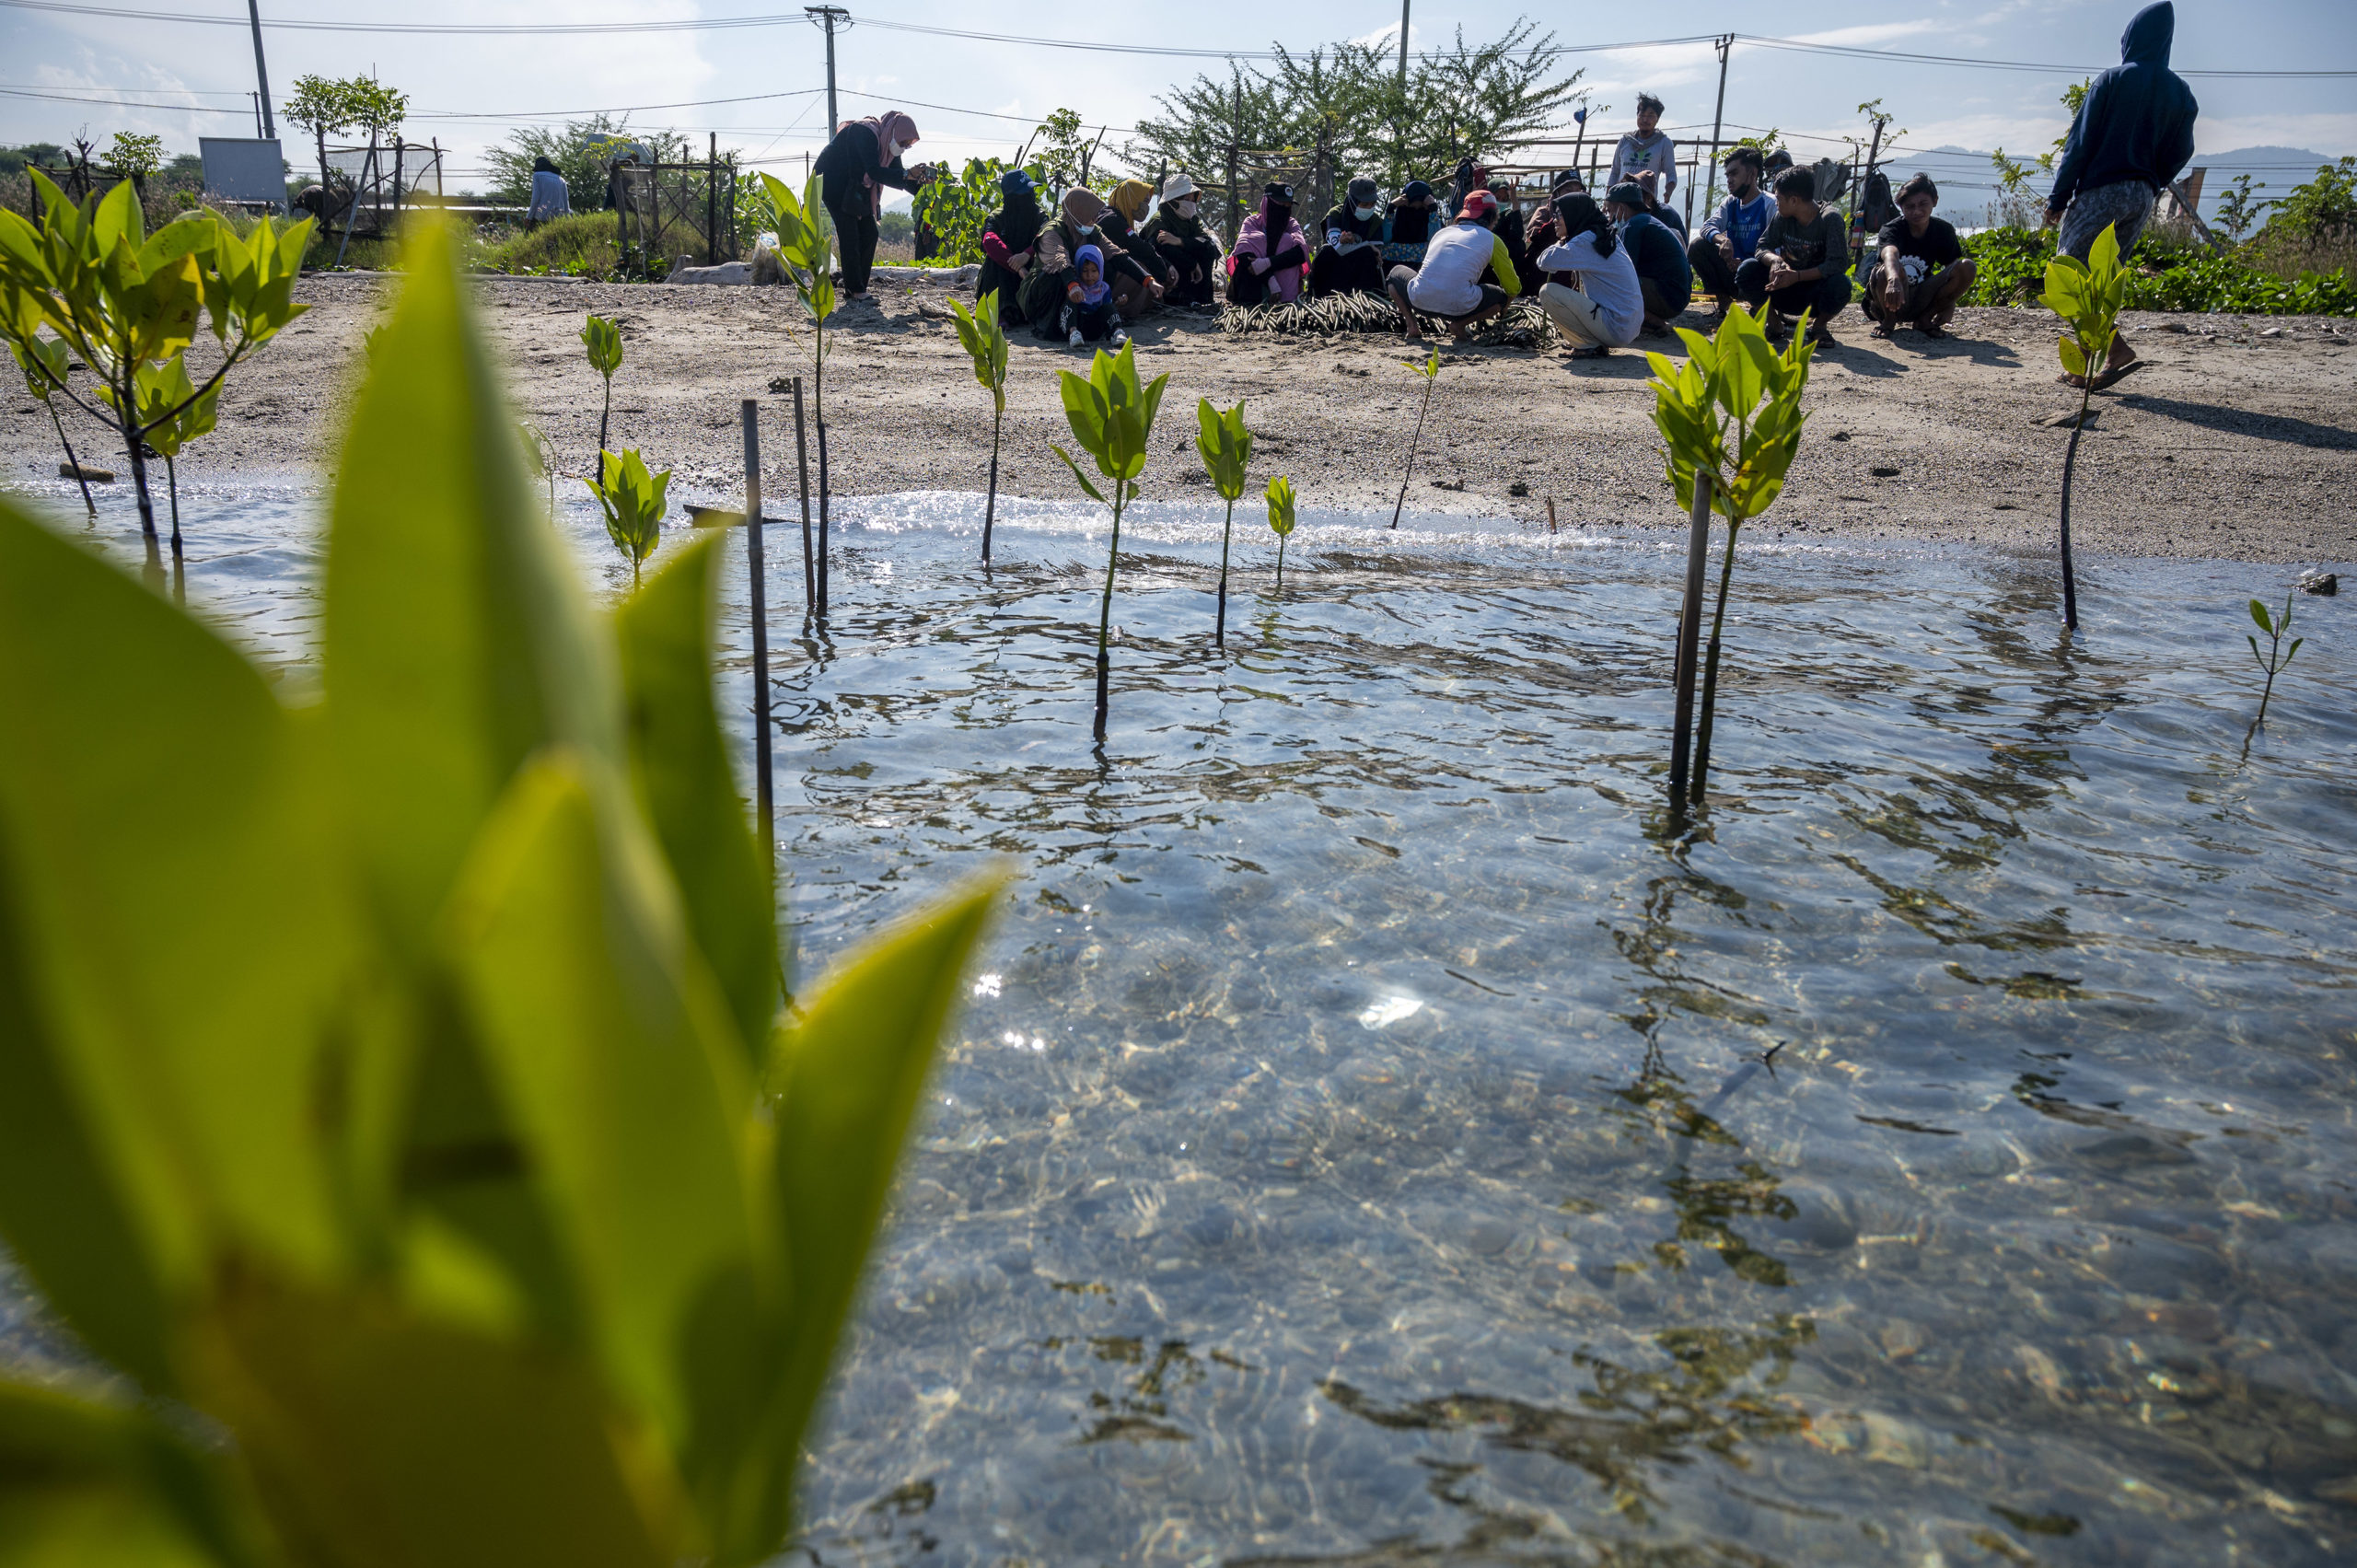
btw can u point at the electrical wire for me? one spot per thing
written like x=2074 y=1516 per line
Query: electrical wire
x=123 y=102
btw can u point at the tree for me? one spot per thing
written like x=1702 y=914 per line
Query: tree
x=579 y=149
x=135 y=156
x=326 y=105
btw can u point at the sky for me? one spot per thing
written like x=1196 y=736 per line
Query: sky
x=973 y=98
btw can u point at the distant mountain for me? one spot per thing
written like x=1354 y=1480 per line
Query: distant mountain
x=2273 y=171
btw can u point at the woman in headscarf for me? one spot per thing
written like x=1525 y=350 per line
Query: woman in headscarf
x=1351 y=262
x=1007 y=240
x=1179 y=238
x=1055 y=270
x=1592 y=294
x=857 y=165
x=1125 y=209
x=1271 y=255
x=1512 y=233
x=1408 y=227
x=550 y=199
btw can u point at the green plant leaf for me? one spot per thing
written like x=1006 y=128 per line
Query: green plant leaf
x=846 y=1074
x=1086 y=488
x=603 y=341
x=170 y=991
x=679 y=767
x=1281 y=499
x=2259 y=613
x=608 y=1041
x=2074 y=360
x=456 y=639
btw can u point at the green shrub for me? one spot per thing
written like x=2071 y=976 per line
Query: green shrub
x=577 y=245
x=2166 y=277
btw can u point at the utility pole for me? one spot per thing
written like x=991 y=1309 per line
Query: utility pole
x=1402 y=127
x=827 y=16
x=261 y=72
x=1725 y=45
x=1235 y=151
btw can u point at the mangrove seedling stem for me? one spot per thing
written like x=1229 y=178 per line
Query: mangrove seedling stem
x=802 y=463
x=70 y=460
x=1105 y=612
x=989 y=505
x=1413 y=441
x=1710 y=672
x=2070 y=460
x=1219 y=625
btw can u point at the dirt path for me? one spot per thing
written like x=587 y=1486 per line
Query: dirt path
x=2239 y=440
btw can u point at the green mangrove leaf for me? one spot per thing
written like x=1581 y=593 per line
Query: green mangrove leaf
x=97 y=1485
x=1280 y=505
x=633 y=502
x=172 y=991
x=606 y=1037
x=1086 y=488
x=604 y=343
x=2259 y=613
x=678 y=764
x=458 y=642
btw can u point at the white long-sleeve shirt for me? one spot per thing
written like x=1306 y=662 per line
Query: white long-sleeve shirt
x=1611 y=280
x=1636 y=153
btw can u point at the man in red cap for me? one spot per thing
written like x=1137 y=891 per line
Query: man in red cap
x=1449 y=283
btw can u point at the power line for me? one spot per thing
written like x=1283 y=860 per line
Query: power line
x=122 y=102
x=1855 y=52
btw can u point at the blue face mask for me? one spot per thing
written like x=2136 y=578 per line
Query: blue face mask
x=1086 y=229
x=1363 y=212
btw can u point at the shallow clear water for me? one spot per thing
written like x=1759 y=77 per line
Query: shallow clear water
x=1370 y=1140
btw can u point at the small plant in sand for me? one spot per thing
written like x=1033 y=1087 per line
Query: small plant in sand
x=632 y=500
x=1112 y=420
x=174 y=413
x=1226 y=450
x=1430 y=371
x=2276 y=656
x=2087 y=295
x=1731 y=415
x=124 y=302
x=44 y=362
x=1280 y=502
x=603 y=341
x=985 y=339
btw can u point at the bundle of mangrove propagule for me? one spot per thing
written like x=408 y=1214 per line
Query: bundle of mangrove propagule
x=1521 y=325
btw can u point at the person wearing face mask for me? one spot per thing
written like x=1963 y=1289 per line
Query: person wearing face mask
x=1514 y=232
x=1054 y=267
x=1599 y=305
x=1007 y=240
x=1664 y=276
x=1351 y=262
x=1409 y=224
x=1271 y=255
x=1732 y=234
x=1125 y=210
x=854 y=169
x=1177 y=237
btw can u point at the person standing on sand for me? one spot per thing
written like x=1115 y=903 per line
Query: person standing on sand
x=865 y=157
x=2133 y=134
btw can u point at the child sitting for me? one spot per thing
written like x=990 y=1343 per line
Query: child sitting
x=1088 y=304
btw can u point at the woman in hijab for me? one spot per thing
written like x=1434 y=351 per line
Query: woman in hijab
x=858 y=164
x=1351 y=262
x=1511 y=229
x=1007 y=240
x=1271 y=255
x=1179 y=238
x=1055 y=270
x=1124 y=210
x=550 y=199
x=1408 y=227
x=1591 y=293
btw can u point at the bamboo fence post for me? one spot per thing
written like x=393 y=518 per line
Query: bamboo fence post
x=756 y=573
x=1690 y=634
x=802 y=461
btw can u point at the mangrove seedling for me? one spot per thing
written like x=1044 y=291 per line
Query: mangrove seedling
x=540 y=455
x=162 y=389
x=1280 y=499
x=984 y=336
x=123 y=300
x=2088 y=296
x=2276 y=656
x=632 y=500
x=805 y=245
x=44 y=362
x=1112 y=420
x=603 y=340
x=1227 y=449
x=419 y=1145
x=1731 y=415
x=1430 y=371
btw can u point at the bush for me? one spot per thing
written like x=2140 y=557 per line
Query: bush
x=577 y=245
x=2167 y=277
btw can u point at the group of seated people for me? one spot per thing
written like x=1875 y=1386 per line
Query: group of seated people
x=1604 y=273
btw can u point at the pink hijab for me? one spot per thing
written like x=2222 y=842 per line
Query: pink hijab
x=895 y=133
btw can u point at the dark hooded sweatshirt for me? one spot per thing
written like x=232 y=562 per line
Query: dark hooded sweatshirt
x=2138 y=121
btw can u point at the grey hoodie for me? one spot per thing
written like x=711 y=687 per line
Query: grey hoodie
x=2138 y=121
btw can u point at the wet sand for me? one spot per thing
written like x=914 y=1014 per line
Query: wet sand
x=2239 y=440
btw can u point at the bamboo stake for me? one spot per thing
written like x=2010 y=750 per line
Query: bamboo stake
x=756 y=573
x=1690 y=634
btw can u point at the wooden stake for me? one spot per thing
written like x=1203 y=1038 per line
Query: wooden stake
x=802 y=460
x=1690 y=634
x=756 y=573
x=1551 y=514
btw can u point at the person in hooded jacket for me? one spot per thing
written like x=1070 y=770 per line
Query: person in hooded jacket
x=1545 y=230
x=1271 y=258
x=1007 y=240
x=1351 y=262
x=1409 y=224
x=1054 y=268
x=853 y=170
x=1125 y=209
x=550 y=197
x=1513 y=232
x=2133 y=134
x=1177 y=237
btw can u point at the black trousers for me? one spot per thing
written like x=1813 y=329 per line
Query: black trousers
x=1361 y=272
x=1198 y=253
x=855 y=235
x=1710 y=269
x=1823 y=299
